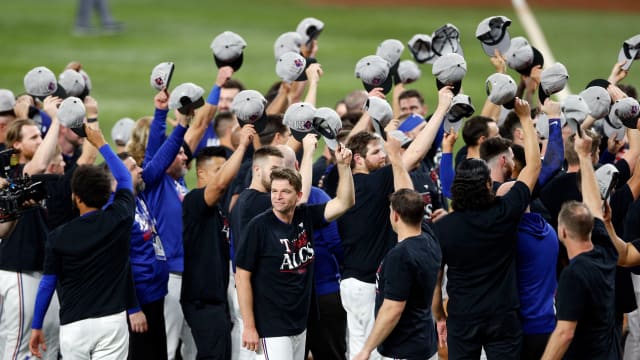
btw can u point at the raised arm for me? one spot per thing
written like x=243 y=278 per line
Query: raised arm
x=205 y=114
x=118 y=169
x=628 y=254
x=447 y=172
x=218 y=184
x=281 y=101
x=423 y=141
x=529 y=174
x=155 y=167
x=345 y=195
x=314 y=72
x=46 y=149
x=589 y=185
x=401 y=178
x=309 y=144
x=158 y=127
x=89 y=152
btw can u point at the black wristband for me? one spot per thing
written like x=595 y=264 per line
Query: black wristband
x=92 y=120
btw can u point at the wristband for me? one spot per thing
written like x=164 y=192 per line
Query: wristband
x=214 y=95
x=92 y=120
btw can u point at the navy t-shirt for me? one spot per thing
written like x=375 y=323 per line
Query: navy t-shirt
x=365 y=229
x=408 y=273
x=280 y=257
x=586 y=294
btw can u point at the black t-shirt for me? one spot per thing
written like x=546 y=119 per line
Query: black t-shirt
x=239 y=183
x=206 y=251
x=58 y=204
x=280 y=257
x=559 y=190
x=408 y=273
x=250 y=203
x=425 y=181
x=365 y=229
x=480 y=249
x=586 y=295
x=90 y=256
x=23 y=250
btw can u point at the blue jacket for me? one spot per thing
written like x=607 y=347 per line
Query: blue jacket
x=162 y=193
x=328 y=250
x=536 y=261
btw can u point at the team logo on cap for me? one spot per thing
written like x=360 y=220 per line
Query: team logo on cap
x=51 y=86
x=307 y=125
x=159 y=81
x=376 y=81
x=298 y=63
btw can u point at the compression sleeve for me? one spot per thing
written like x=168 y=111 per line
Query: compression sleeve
x=43 y=298
x=118 y=170
x=446 y=173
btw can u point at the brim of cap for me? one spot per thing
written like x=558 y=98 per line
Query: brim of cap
x=611 y=131
x=542 y=96
x=502 y=46
x=378 y=128
x=259 y=124
x=456 y=86
x=598 y=82
x=186 y=109
x=80 y=131
x=452 y=123
x=303 y=75
x=331 y=143
x=386 y=85
x=574 y=125
x=299 y=135
x=314 y=35
x=538 y=59
x=235 y=64
x=510 y=104
x=393 y=73
x=623 y=56
x=630 y=123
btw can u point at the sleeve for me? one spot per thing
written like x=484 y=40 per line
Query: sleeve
x=157 y=134
x=119 y=171
x=155 y=167
x=572 y=295
x=397 y=274
x=52 y=263
x=620 y=201
x=315 y=214
x=382 y=179
x=43 y=299
x=446 y=173
x=607 y=158
x=554 y=156
x=600 y=237
x=636 y=244
x=248 y=248
x=624 y=172
x=517 y=199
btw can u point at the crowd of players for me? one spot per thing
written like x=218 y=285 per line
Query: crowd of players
x=387 y=245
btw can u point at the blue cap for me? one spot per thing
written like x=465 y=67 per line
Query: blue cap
x=411 y=122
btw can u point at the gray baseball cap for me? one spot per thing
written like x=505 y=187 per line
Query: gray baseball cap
x=299 y=119
x=287 y=42
x=614 y=129
x=391 y=50
x=161 y=75
x=450 y=69
x=404 y=140
x=493 y=34
x=461 y=107
x=72 y=82
x=552 y=80
x=40 y=82
x=327 y=123
x=630 y=51
x=71 y=115
x=598 y=100
x=290 y=66
x=121 y=131
x=607 y=178
x=626 y=111
x=519 y=56
x=380 y=112
x=408 y=71
x=228 y=50
x=373 y=70
x=309 y=28
x=421 y=49
x=574 y=111
x=186 y=97
x=446 y=40
x=501 y=89
x=249 y=107
x=7 y=100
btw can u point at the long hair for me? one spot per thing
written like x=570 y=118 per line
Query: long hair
x=469 y=189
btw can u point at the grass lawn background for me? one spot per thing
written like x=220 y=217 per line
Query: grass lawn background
x=34 y=33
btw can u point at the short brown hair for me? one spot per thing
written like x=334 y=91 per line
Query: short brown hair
x=493 y=147
x=14 y=132
x=292 y=176
x=358 y=144
x=409 y=205
x=266 y=151
x=577 y=218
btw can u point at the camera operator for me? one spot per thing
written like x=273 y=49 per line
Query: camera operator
x=22 y=253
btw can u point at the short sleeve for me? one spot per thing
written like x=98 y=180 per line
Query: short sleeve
x=383 y=179
x=247 y=253
x=397 y=273
x=600 y=237
x=636 y=244
x=571 y=296
x=517 y=199
x=193 y=205
x=315 y=214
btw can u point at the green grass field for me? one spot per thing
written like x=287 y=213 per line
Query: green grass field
x=40 y=33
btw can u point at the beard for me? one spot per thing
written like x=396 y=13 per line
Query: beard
x=139 y=188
